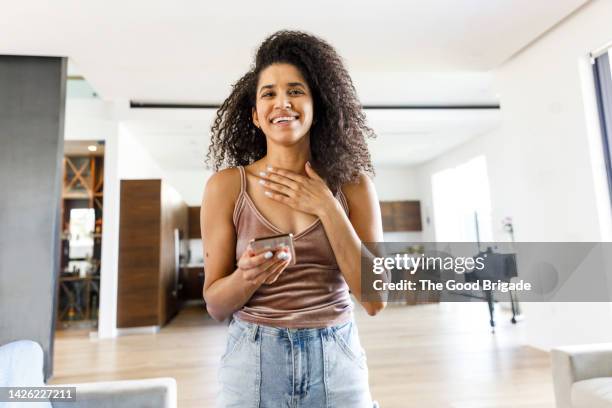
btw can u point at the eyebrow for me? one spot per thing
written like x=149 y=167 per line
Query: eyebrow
x=289 y=84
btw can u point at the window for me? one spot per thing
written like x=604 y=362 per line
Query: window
x=462 y=203
x=603 y=89
x=82 y=225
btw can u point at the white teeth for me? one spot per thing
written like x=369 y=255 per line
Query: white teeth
x=283 y=119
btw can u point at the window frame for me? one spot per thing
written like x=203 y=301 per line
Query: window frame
x=603 y=92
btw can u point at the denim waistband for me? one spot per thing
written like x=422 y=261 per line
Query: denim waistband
x=303 y=333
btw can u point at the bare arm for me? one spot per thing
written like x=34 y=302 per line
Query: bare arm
x=346 y=233
x=227 y=286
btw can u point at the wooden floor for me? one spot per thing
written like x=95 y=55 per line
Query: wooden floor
x=426 y=356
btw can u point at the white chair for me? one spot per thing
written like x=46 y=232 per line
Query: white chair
x=21 y=365
x=582 y=376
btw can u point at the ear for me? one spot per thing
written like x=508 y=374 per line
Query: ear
x=255 y=117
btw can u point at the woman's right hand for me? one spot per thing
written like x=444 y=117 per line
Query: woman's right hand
x=263 y=267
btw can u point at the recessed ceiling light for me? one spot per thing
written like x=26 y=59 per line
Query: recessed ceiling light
x=92 y=148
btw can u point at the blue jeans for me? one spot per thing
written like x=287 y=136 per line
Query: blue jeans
x=272 y=367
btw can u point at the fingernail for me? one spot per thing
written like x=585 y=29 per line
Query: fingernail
x=263 y=173
x=268 y=255
x=282 y=255
x=270 y=168
x=262 y=181
x=308 y=163
x=269 y=194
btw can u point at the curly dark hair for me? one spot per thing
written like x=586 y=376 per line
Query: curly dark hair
x=338 y=132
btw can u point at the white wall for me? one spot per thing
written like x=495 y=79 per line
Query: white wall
x=189 y=183
x=542 y=99
x=135 y=162
x=89 y=119
x=544 y=163
x=396 y=183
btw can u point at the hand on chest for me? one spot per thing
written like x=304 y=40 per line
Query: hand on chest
x=283 y=217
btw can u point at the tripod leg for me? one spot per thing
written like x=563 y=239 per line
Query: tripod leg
x=489 y=297
x=512 y=303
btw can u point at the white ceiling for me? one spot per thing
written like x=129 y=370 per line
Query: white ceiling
x=192 y=50
x=435 y=52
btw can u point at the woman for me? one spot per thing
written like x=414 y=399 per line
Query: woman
x=292 y=133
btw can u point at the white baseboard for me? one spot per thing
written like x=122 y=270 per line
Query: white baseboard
x=138 y=330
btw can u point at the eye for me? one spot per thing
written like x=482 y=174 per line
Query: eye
x=266 y=94
x=296 y=92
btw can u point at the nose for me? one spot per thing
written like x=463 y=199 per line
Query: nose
x=282 y=102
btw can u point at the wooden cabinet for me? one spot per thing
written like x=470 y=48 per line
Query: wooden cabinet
x=192 y=283
x=152 y=234
x=401 y=215
x=194 y=223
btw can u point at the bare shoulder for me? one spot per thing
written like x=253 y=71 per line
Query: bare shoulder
x=359 y=190
x=364 y=208
x=223 y=187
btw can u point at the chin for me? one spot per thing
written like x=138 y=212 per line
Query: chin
x=285 y=138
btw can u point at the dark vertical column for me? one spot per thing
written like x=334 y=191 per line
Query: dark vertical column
x=32 y=103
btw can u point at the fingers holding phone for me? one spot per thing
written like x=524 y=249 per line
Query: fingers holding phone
x=282 y=245
x=263 y=265
x=284 y=260
x=274 y=243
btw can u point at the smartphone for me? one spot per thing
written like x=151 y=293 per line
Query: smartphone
x=273 y=243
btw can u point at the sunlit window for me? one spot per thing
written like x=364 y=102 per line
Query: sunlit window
x=462 y=203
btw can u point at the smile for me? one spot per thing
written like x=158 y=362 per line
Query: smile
x=283 y=119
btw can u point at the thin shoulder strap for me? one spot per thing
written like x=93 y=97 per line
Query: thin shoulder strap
x=242 y=179
x=240 y=201
x=343 y=201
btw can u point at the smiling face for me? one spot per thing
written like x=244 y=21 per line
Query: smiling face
x=284 y=106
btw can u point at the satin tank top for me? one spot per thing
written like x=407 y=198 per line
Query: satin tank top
x=310 y=294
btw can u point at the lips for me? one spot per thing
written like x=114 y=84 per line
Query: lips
x=283 y=118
